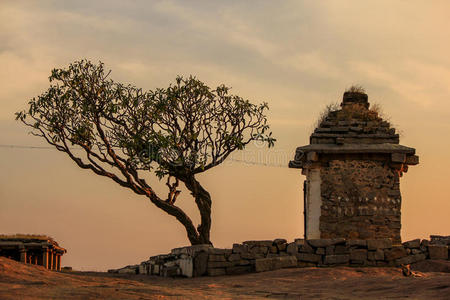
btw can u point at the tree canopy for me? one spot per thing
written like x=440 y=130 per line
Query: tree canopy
x=174 y=132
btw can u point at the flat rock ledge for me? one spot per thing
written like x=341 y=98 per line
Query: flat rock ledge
x=262 y=256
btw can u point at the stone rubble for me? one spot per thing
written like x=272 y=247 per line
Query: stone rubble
x=261 y=256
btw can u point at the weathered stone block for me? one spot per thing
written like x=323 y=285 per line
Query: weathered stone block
x=320 y=251
x=336 y=259
x=309 y=257
x=258 y=243
x=438 y=251
x=191 y=250
x=341 y=249
x=305 y=248
x=200 y=264
x=358 y=254
x=412 y=244
x=395 y=252
x=216 y=272
x=239 y=248
x=268 y=264
x=329 y=250
x=234 y=257
x=292 y=248
x=219 y=264
x=279 y=241
x=218 y=251
x=325 y=242
x=357 y=243
x=375 y=255
x=216 y=257
x=186 y=266
x=171 y=271
x=379 y=244
x=274 y=249
x=410 y=259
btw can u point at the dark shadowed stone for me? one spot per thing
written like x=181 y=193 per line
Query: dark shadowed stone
x=379 y=244
x=305 y=248
x=219 y=251
x=219 y=264
x=325 y=242
x=191 y=250
x=216 y=272
x=292 y=248
x=341 y=249
x=358 y=243
x=258 y=243
x=238 y=270
x=395 y=252
x=438 y=251
x=234 y=257
x=200 y=264
x=329 y=250
x=309 y=257
x=321 y=251
x=358 y=254
x=216 y=257
x=412 y=244
x=375 y=255
x=279 y=241
x=410 y=259
x=336 y=259
x=239 y=248
x=302 y=264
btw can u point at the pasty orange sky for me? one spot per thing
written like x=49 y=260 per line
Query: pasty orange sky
x=297 y=55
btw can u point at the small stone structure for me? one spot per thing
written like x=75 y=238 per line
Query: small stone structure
x=260 y=256
x=32 y=249
x=353 y=167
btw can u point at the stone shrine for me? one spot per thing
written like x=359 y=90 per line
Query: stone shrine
x=353 y=166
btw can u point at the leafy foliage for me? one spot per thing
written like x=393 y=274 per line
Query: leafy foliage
x=178 y=131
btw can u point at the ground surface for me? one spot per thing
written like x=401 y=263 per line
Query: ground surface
x=19 y=281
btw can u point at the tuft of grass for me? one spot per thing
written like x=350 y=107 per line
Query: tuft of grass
x=335 y=106
x=356 y=88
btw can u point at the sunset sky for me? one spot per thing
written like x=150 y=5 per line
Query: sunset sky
x=298 y=56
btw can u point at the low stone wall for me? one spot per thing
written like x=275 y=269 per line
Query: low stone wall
x=260 y=256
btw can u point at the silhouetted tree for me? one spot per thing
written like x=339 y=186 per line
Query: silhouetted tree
x=176 y=132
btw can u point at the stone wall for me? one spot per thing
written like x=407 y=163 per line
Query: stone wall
x=260 y=256
x=360 y=200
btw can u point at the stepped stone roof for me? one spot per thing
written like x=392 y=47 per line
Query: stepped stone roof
x=354 y=129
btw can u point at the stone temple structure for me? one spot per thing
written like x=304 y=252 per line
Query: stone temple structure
x=353 y=166
x=32 y=249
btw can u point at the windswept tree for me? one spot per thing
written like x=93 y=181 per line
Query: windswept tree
x=123 y=132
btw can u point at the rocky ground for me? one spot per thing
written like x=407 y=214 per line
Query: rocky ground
x=19 y=281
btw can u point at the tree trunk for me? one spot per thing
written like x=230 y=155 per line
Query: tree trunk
x=203 y=201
